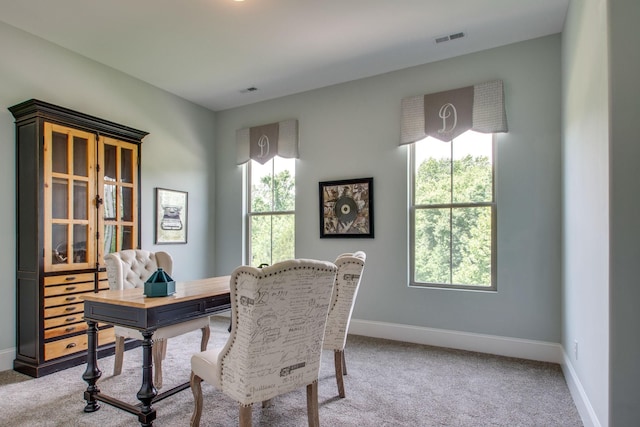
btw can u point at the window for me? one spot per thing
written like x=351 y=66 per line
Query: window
x=452 y=212
x=270 y=206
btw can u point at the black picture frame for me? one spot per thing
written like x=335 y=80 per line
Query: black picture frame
x=171 y=216
x=346 y=208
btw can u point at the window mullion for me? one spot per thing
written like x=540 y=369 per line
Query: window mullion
x=273 y=184
x=451 y=215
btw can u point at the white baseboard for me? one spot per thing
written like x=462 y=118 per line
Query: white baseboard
x=6 y=358
x=580 y=398
x=492 y=344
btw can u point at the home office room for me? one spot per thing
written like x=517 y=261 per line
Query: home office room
x=183 y=110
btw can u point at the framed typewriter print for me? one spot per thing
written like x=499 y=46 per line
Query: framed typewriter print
x=171 y=216
x=346 y=208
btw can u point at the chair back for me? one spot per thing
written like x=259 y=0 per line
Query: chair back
x=345 y=290
x=279 y=314
x=130 y=268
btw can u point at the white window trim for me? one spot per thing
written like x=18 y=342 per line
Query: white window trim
x=411 y=229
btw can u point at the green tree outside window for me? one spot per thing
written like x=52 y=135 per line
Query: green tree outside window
x=271 y=218
x=453 y=227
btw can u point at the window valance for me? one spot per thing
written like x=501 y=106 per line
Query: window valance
x=445 y=115
x=264 y=142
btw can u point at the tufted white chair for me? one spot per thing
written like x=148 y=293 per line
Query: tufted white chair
x=130 y=269
x=345 y=290
x=279 y=314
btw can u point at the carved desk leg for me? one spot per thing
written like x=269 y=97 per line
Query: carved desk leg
x=92 y=373
x=147 y=391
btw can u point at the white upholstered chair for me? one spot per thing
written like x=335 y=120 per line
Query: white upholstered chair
x=345 y=290
x=130 y=269
x=279 y=315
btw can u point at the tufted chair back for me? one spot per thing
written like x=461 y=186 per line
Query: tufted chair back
x=130 y=268
x=343 y=299
x=279 y=315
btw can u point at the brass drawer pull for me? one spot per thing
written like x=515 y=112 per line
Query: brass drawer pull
x=69 y=288
x=71 y=345
x=69 y=309
x=70 y=319
x=70 y=298
x=70 y=278
x=70 y=329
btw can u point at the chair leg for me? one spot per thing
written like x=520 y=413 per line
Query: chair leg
x=158 y=350
x=117 y=366
x=344 y=364
x=164 y=349
x=206 y=333
x=196 y=389
x=245 y=416
x=338 y=359
x=312 y=404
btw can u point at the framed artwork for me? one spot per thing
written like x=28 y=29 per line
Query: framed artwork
x=346 y=208
x=171 y=216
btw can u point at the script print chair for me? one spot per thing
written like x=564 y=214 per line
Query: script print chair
x=279 y=314
x=345 y=290
x=130 y=268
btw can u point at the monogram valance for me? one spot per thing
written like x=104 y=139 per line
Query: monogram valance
x=445 y=115
x=264 y=142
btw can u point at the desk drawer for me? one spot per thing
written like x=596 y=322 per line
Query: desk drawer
x=76 y=344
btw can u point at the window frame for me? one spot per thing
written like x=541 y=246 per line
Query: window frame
x=412 y=229
x=249 y=214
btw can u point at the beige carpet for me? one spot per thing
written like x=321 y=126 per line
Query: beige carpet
x=389 y=384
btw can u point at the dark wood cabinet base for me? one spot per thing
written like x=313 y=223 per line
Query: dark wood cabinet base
x=39 y=370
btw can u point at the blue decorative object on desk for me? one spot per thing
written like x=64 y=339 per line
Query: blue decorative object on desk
x=159 y=284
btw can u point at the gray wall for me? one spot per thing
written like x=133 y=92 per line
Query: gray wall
x=601 y=149
x=174 y=155
x=352 y=130
x=624 y=69
x=586 y=199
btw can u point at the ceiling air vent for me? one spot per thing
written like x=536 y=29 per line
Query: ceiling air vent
x=442 y=39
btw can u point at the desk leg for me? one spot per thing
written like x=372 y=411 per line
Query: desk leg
x=92 y=373
x=147 y=391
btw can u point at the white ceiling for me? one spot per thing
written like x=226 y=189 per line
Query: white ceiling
x=211 y=51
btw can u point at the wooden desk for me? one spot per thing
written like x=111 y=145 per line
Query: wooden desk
x=132 y=309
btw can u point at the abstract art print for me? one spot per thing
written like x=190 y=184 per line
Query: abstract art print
x=346 y=208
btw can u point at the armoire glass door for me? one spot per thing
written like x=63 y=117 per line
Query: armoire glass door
x=69 y=192
x=118 y=181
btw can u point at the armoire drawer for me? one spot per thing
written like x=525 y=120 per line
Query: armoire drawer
x=69 y=278
x=64 y=330
x=103 y=281
x=68 y=288
x=65 y=309
x=69 y=319
x=61 y=300
x=64 y=347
